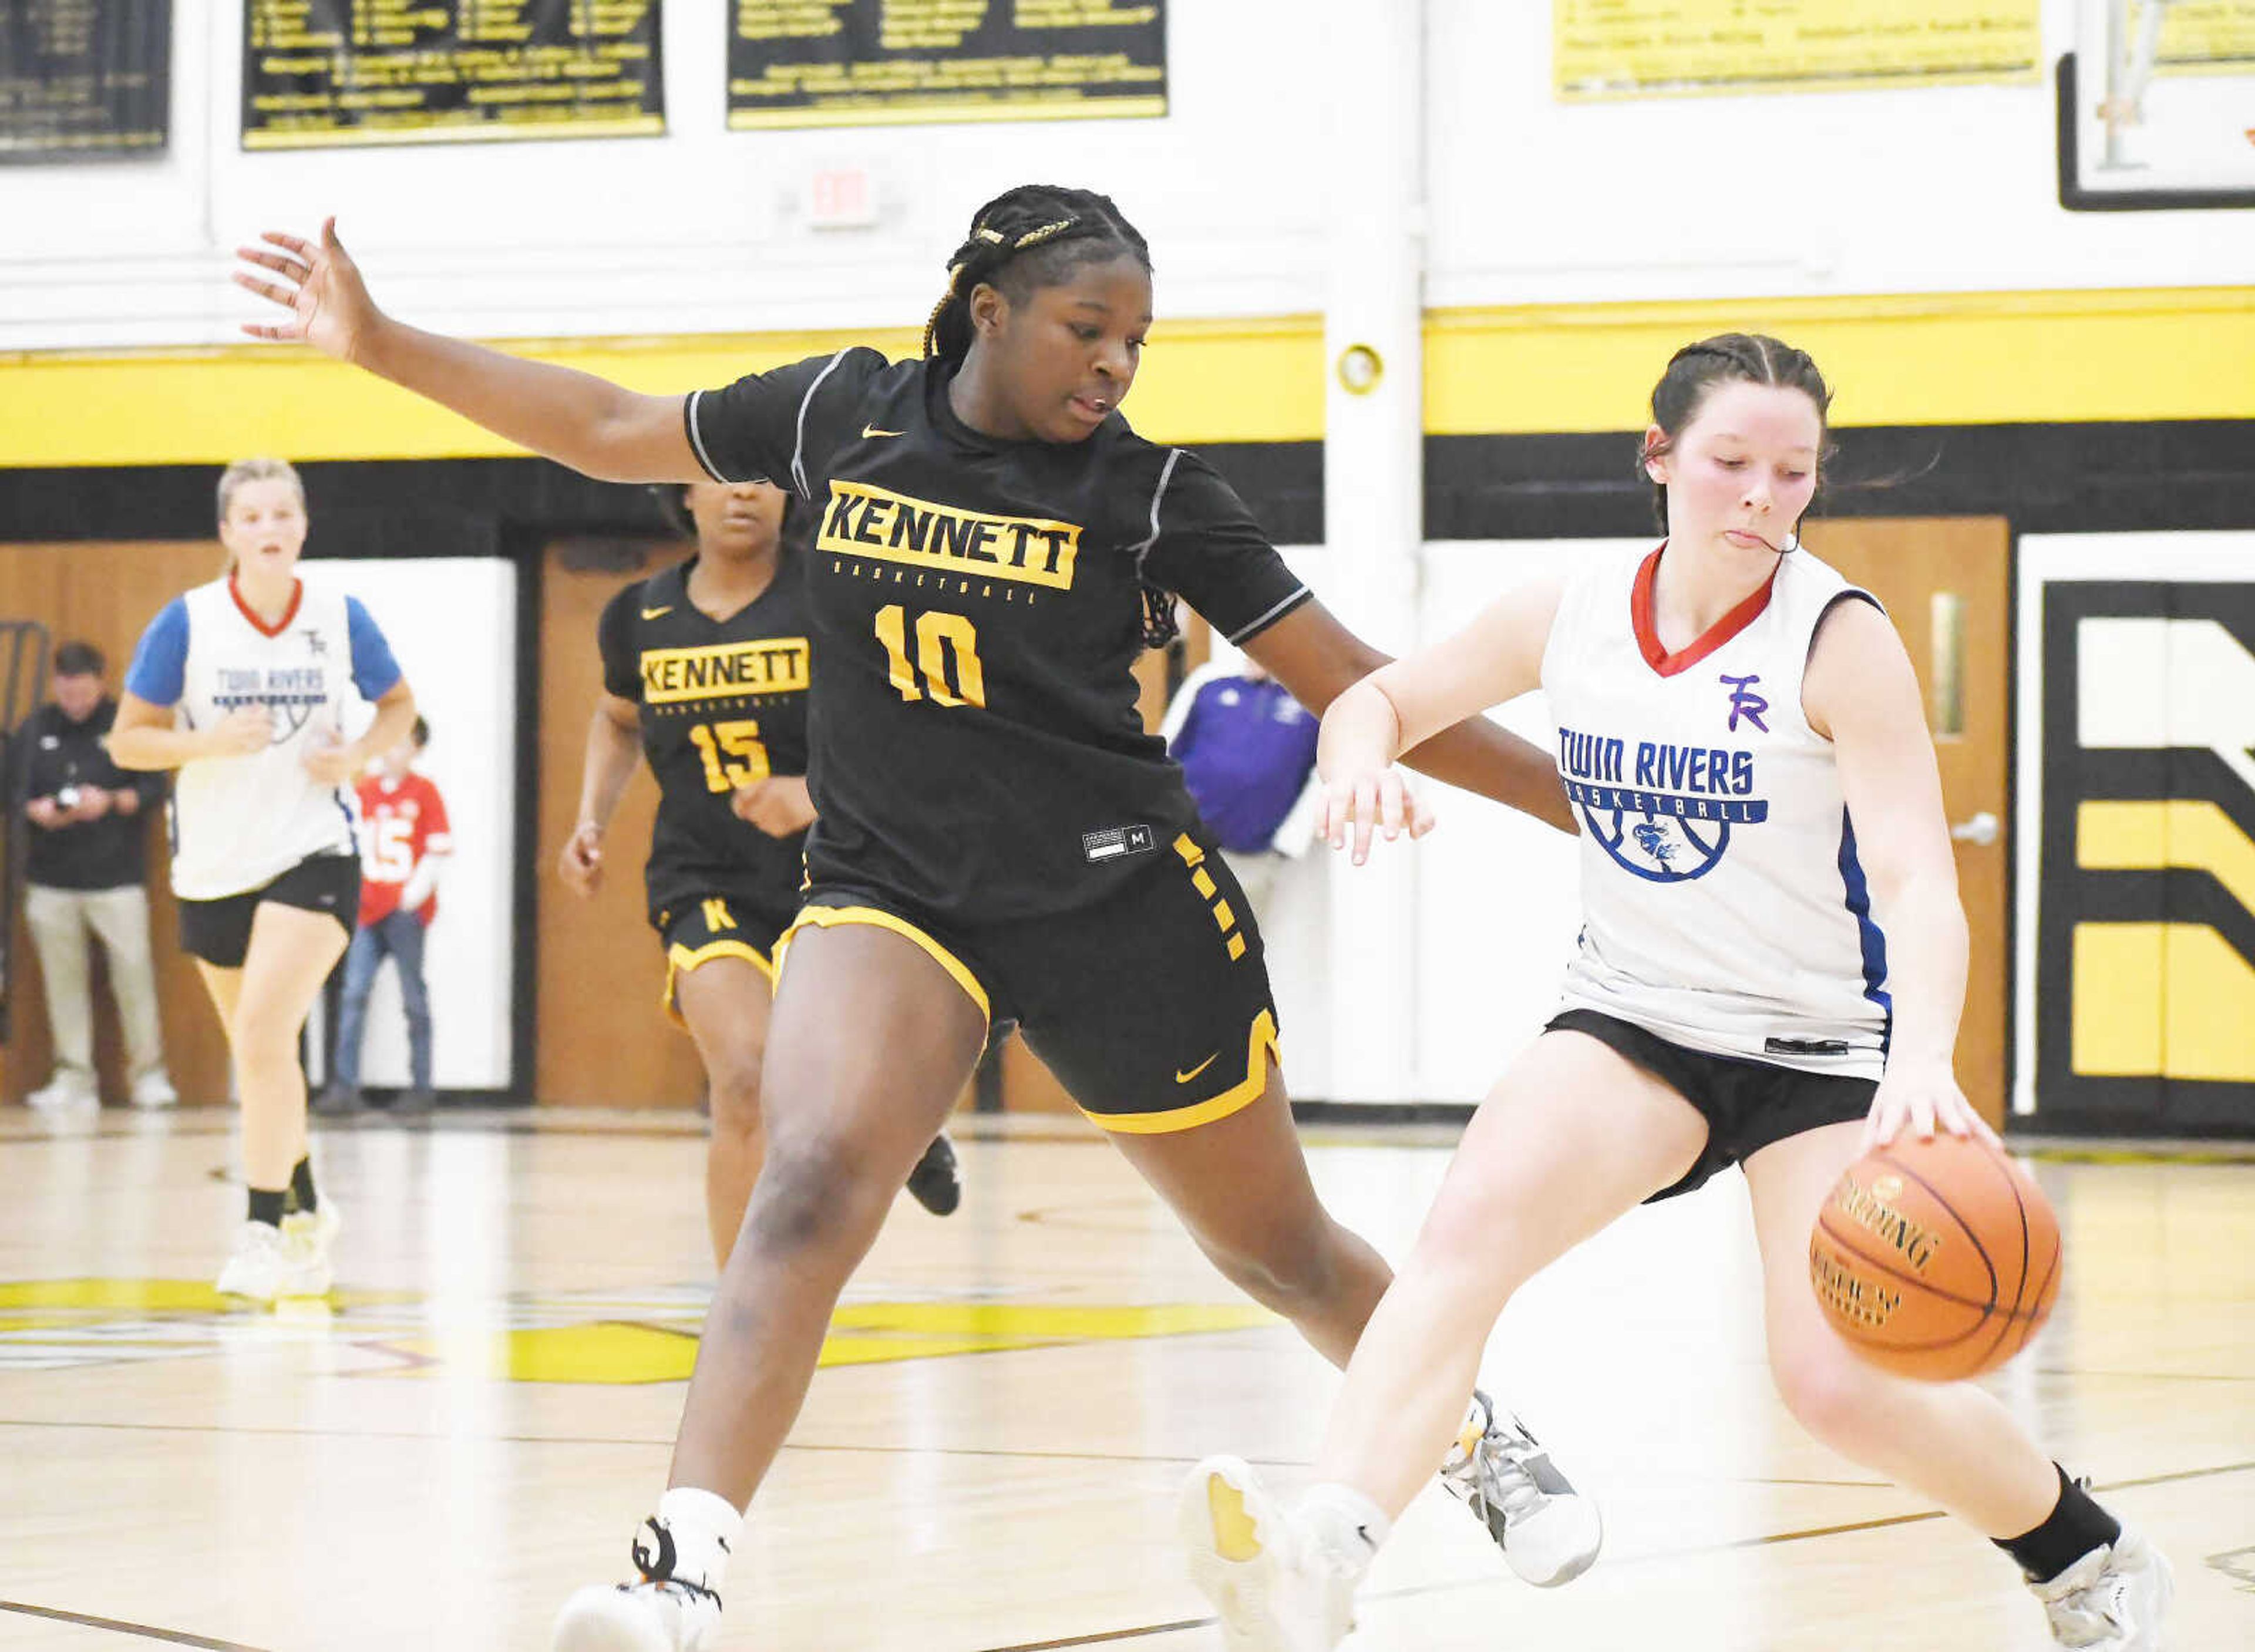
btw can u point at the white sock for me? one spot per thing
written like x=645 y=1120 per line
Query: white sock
x=704 y=1527
x=1344 y=1527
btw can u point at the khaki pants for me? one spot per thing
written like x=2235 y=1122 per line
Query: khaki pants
x=60 y=920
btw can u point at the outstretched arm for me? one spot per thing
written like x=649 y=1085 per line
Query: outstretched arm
x=1330 y=671
x=588 y=423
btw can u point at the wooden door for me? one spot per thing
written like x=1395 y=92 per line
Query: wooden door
x=603 y=1040
x=105 y=595
x=1946 y=582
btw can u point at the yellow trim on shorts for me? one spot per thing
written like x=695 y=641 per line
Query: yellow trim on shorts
x=680 y=959
x=1260 y=1047
x=876 y=918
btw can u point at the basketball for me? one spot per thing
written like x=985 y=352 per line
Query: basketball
x=1937 y=1259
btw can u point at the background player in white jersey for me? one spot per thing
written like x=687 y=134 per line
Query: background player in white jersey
x=1727 y=707
x=242 y=684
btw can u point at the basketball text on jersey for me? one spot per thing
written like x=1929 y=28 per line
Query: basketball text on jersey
x=864 y=520
x=725 y=670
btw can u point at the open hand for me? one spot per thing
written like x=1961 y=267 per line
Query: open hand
x=581 y=865
x=1372 y=800
x=318 y=285
x=46 y=814
x=1922 y=1096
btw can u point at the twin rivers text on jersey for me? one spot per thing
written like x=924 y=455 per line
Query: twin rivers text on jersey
x=976 y=746
x=723 y=704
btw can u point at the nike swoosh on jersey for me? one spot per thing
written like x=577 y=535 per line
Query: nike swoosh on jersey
x=657 y=614
x=869 y=432
x=1185 y=1078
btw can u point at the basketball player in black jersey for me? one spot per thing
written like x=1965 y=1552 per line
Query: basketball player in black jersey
x=704 y=673
x=997 y=836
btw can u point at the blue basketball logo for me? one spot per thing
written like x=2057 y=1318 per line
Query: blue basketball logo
x=1663 y=848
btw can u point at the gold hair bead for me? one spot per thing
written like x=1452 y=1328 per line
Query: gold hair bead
x=1033 y=237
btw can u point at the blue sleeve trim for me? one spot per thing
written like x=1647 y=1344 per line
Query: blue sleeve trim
x=375 y=672
x=158 y=673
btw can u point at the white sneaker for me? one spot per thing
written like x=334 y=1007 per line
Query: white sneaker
x=154 y=1090
x=660 y=1613
x=1548 y=1532
x=312 y=1233
x=267 y=1263
x=67 y=1091
x=1248 y=1560
x=2113 y=1599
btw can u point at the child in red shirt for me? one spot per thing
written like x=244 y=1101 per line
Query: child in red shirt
x=404 y=843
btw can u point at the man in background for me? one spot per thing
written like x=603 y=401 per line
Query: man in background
x=404 y=844
x=84 y=873
x=1247 y=750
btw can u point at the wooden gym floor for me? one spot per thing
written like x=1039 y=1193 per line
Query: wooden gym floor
x=990 y=1459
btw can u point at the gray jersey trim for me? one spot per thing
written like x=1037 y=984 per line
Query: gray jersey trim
x=799 y=450
x=697 y=438
x=1268 y=619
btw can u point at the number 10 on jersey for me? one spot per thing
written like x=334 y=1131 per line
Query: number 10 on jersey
x=942 y=641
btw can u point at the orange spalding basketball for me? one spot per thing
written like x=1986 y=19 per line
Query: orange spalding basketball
x=1935 y=1259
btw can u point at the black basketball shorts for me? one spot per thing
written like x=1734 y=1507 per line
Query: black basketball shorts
x=699 y=929
x=219 y=931
x=1748 y=1104
x=1152 y=1007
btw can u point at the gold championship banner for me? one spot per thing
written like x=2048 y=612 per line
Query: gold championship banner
x=84 y=80
x=319 y=73
x=1643 y=48
x=2200 y=37
x=890 y=62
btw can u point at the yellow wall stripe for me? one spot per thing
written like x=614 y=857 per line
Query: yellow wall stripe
x=1202 y=381
x=1927 y=359
x=2167 y=999
x=2187 y=832
x=1954 y=358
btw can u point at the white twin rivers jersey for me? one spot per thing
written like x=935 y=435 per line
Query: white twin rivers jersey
x=238 y=823
x=1724 y=908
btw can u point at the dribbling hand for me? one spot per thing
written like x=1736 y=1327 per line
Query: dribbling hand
x=243 y=733
x=581 y=865
x=1372 y=800
x=1923 y=1096
x=318 y=284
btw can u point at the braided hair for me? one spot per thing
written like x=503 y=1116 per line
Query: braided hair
x=1693 y=371
x=1027 y=238
x=1024 y=240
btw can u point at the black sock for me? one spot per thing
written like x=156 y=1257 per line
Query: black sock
x=2075 y=1526
x=301 y=1186
x=267 y=1207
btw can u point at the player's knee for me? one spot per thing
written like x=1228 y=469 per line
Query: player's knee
x=1831 y=1393
x=732 y=1081
x=1281 y=1271
x=813 y=1195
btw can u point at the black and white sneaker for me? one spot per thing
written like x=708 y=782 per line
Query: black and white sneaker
x=662 y=1613
x=2113 y=1599
x=1548 y=1532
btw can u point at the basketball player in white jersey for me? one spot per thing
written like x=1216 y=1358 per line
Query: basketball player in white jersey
x=1744 y=736
x=242 y=685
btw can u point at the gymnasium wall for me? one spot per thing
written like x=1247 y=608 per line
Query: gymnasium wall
x=703 y=231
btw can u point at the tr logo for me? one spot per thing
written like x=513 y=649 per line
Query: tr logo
x=1744 y=702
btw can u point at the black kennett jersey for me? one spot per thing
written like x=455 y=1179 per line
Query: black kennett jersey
x=977 y=609
x=723 y=703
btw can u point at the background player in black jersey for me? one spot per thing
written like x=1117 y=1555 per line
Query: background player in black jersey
x=998 y=835
x=704 y=673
